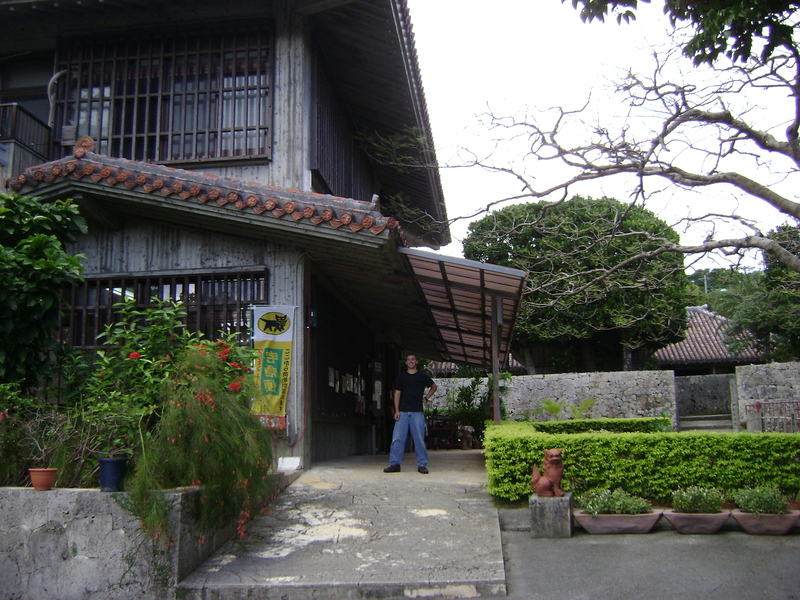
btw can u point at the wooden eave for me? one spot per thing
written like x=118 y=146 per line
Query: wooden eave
x=438 y=307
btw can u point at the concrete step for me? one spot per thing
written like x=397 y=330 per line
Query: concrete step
x=722 y=422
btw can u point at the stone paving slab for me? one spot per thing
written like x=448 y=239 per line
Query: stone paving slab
x=344 y=529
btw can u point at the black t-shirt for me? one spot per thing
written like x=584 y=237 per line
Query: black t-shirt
x=412 y=390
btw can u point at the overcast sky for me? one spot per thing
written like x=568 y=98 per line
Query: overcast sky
x=518 y=57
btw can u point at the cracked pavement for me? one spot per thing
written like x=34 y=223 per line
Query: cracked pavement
x=345 y=529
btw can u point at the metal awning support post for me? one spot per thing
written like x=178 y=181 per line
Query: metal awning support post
x=496 y=324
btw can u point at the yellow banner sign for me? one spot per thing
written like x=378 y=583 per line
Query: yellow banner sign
x=272 y=339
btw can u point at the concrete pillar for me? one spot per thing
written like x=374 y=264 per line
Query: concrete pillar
x=551 y=517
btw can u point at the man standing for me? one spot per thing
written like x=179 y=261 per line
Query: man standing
x=409 y=394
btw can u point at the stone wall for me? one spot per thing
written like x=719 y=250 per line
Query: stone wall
x=704 y=394
x=80 y=544
x=615 y=394
x=764 y=383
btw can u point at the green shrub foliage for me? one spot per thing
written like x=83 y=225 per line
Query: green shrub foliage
x=617 y=502
x=178 y=405
x=650 y=465
x=642 y=425
x=767 y=499
x=33 y=268
x=698 y=499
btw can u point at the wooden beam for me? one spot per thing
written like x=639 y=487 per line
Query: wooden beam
x=497 y=323
x=308 y=8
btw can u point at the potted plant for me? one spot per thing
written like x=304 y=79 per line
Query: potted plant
x=606 y=511
x=764 y=510
x=44 y=431
x=697 y=509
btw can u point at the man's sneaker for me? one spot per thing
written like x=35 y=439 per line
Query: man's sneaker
x=423 y=470
x=392 y=469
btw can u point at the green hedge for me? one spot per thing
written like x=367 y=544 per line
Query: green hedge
x=651 y=465
x=640 y=425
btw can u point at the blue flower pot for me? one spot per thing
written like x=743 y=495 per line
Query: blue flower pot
x=112 y=472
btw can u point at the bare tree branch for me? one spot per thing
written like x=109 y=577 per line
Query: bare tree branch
x=700 y=141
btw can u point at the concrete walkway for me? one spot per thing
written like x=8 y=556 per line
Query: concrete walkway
x=346 y=530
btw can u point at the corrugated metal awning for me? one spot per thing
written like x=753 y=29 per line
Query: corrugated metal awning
x=459 y=294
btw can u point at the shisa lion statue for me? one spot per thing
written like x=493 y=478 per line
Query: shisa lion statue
x=548 y=485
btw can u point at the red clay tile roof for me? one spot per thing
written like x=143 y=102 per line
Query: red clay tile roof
x=269 y=201
x=703 y=343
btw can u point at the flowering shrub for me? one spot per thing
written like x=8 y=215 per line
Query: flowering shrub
x=205 y=436
x=177 y=404
x=697 y=499
x=618 y=502
x=761 y=500
x=140 y=353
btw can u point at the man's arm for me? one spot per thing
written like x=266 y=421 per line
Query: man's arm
x=397 y=405
x=430 y=394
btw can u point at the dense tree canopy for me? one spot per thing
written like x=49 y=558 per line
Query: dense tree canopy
x=596 y=271
x=769 y=313
x=704 y=132
x=33 y=268
x=721 y=27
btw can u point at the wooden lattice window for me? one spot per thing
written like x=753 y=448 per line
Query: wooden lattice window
x=214 y=302
x=169 y=99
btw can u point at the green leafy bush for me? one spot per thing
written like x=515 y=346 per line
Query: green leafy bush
x=649 y=465
x=582 y=410
x=550 y=407
x=469 y=406
x=33 y=268
x=177 y=404
x=205 y=436
x=698 y=499
x=642 y=425
x=618 y=502
x=35 y=433
x=141 y=352
x=761 y=500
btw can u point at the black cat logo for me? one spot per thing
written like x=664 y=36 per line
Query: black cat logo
x=274 y=323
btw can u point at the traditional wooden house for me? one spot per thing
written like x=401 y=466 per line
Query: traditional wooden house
x=218 y=151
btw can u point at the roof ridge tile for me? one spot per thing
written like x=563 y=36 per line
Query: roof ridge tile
x=313 y=207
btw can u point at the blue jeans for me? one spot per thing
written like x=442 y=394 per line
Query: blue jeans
x=414 y=422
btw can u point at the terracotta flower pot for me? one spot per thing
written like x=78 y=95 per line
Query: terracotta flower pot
x=603 y=524
x=43 y=479
x=766 y=524
x=696 y=522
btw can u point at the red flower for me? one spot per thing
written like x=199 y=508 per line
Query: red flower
x=235 y=386
x=134 y=355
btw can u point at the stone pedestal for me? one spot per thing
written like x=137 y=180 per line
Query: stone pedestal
x=551 y=517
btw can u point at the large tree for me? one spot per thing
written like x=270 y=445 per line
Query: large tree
x=768 y=314
x=34 y=266
x=598 y=275
x=705 y=128
x=729 y=28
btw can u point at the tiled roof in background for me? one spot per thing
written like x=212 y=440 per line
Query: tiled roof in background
x=448 y=369
x=704 y=342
